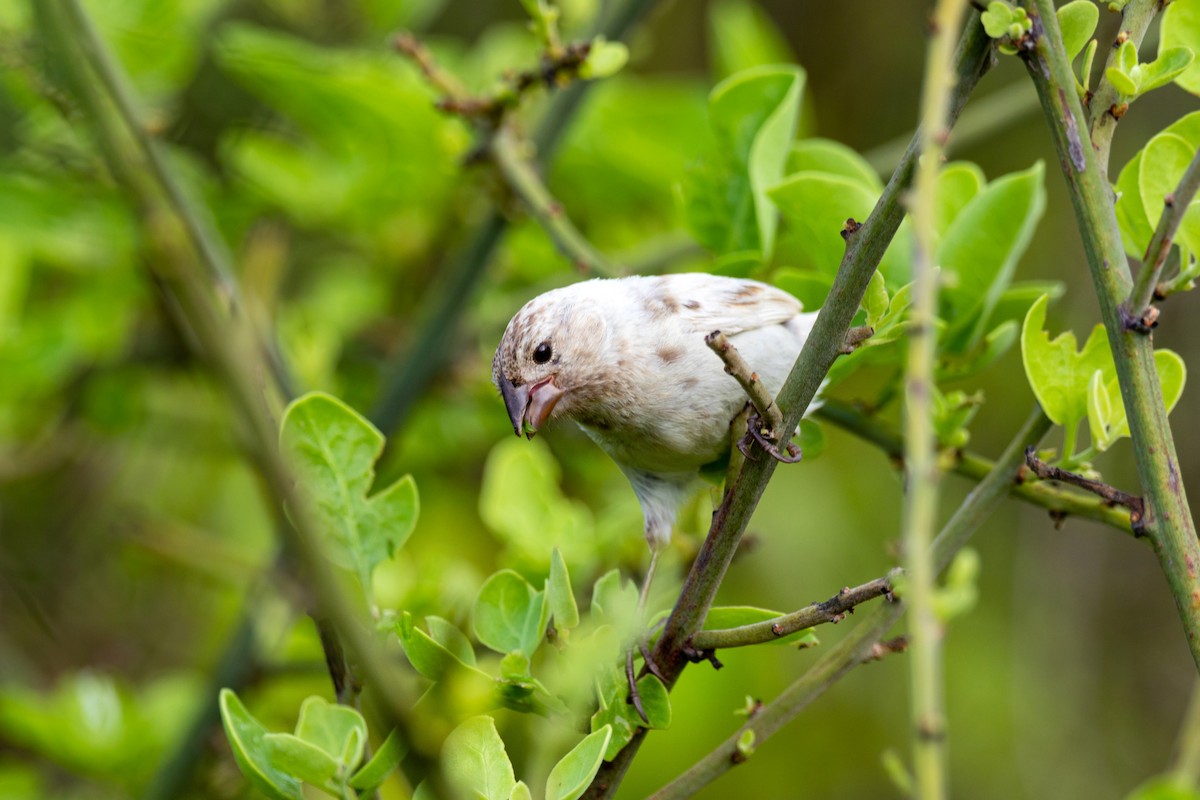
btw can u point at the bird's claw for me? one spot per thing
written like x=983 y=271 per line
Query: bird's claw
x=635 y=697
x=754 y=433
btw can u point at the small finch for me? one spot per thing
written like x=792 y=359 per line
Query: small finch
x=625 y=359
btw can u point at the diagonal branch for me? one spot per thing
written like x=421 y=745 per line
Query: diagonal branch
x=1169 y=521
x=864 y=249
x=1105 y=105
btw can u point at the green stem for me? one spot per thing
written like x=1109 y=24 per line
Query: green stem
x=211 y=250
x=1175 y=205
x=522 y=178
x=1057 y=499
x=1168 y=518
x=920 y=457
x=1135 y=20
x=860 y=644
x=865 y=246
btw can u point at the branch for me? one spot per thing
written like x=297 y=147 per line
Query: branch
x=1168 y=518
x=407 y=374
x=522 y=178
x=864 y=642
x=1175 y=205
x=1058 y=501
x=926 y=691
x=832 y=611
x=864 y=249
x=1105 y=107
x=1111 y=495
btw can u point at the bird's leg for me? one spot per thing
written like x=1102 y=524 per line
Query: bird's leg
x=635 y=697
x=755 y=432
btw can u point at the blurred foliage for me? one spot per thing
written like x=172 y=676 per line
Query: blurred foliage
x=136 y=536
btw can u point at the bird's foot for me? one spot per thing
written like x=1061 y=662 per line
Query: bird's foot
x=756 y=433
x=635 y=697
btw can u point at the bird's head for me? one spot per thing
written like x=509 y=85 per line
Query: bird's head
x=550 y=359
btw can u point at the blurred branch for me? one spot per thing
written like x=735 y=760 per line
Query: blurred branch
x=864 y=643
x=1105 y=108
x=1175 y=205
x=211 y=251
x=1169 y=522
x=921 y=478
x=864 y=249
x=406 y=375
x=522 y=178
x=1057 y=500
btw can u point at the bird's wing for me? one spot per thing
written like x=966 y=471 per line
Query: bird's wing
x=705 y=303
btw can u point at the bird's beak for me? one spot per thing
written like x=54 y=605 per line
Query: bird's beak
x=529 y=406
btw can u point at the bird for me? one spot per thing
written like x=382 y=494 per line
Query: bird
x=626 y=360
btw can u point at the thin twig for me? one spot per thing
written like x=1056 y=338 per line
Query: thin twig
x=1110 y=494
x=521 y=176
x=831 y=611
x=748 y=379
x=864 y=249
x=1175 y=205
x=1168 y=519
x=1105 y=104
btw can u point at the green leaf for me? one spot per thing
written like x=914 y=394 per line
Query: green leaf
x=808 y=286
x=810 y=439
x=604 y=59
x=337 y=730
x=816 y=205
x=509 y=614
x=624 y=719
x=1123 y=83
x=875 y=301
x=957 y=185
x=832 y=158
x=1127 y=57
x=573 y=773
x=429 y=657
x=1165 y=787
x=746 y=743
x=520 y=792
x=723 y=617
x=386 y=758
x=1085 y=68
x=475 y=763
x=741 y=35
x=1136 y=228
x=1164 y=160
x=753 y=115
x=614 y=602
x=447 y=634
x=302 y=759
x=1057 y=373
x=1110 y=422
x=559 y=595
x=333 y=450
x=1077 y=21
x=960 y=591
x=247 y=740
x=980 y=250
x=1181 y=28
x=997 y=18
x=1169 y=65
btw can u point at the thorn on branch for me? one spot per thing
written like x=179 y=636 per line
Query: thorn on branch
x=1117 y=110
x=1110 y=494
x=851 y=227
x=1144 y=323
x=696 y=656
x=855 y=337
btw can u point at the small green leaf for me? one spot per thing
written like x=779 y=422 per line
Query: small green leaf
x=333 y=450
x=447 y=634
x=247 y=740
x=520 y=792
x=509 y=614
x=960 y=591
x=997 y=18
x=624 y=719
x=1181 y=28
x=1057 y=373
x=1172 y=374
x=475 y=763
x=614 y=601
x=875 y=301
x=1136 y=228
x=1122 y=82
x=559 y=595
x=302 y=759
x=428 y=656
x=1169 y=65
x=723 y=617
x=1100 y=412
x=338 y=730
x=1127 y=57
x=386 y=758
x=603 y=59
x=810 y=439
x=573 y=773
x=1077 y=21
x=958 y=183
x=745 y=744
x=1164 y=160
x=1085 y=69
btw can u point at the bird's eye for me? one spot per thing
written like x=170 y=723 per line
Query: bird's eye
x=542 y=353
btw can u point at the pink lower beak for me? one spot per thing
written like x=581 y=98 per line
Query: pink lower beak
x=529 y=406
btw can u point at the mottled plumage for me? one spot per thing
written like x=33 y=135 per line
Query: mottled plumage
x=626 y=360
